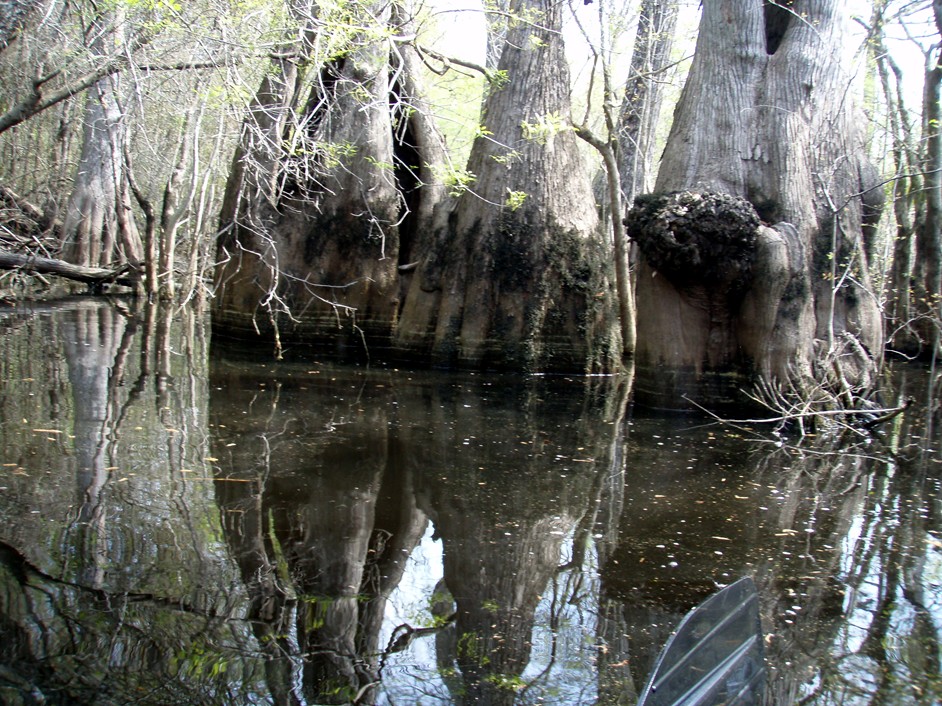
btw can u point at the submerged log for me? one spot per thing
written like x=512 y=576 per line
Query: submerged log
x=127 y=274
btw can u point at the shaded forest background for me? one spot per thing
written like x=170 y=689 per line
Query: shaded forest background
x=246 y=154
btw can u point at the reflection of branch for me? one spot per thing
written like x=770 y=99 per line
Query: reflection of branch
x=116 y=379
x=404 y=635
x=887 y=413
x=27 y=573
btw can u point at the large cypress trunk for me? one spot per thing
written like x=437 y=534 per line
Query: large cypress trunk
x=99 y=226
x=765 y=129
x=517 y=275
x=324 y=196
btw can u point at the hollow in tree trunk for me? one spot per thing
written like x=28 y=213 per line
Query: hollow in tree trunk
x=324 y=196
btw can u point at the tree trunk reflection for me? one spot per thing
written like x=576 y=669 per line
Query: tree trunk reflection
x=321 y=542
x=302 y=533
x=504 y=517
x=113 y=587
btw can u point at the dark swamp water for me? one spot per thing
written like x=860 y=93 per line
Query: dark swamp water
x=184 y=528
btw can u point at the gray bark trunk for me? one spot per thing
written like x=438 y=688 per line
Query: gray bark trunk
x=13 y=15
x=125 y=275
x=928 y=284
x=324 y=197
x=517 y=275
x=766 y=115
x=99 y=228
x=641 y=106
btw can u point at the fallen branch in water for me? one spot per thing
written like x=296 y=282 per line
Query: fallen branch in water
x=127 y=274
x=869 y=419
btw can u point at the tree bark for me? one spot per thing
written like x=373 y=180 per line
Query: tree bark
x=13 y=15
x=908 y=194
x=766 y=116
x=518 y=276
x=324 y=195
x=99 y=227
x=641 y=106
x=928 y=275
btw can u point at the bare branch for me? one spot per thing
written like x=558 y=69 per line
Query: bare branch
x=126 y=274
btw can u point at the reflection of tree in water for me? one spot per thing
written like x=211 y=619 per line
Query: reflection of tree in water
x=329 y=516
x=96 y=342
x=325 y=486
x=836 y=532
x=687 y=523
x=503 y=511
x=321 y=530
x=850 y=614
x=91 y=611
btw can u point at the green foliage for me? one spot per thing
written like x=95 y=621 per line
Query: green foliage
x=545 y=128
x=457 y=181
x=507 y=158
x=497 y=78
x=281 y=563
x=338 y=691
x=315 y=614
x=469 y=648
x=506 y=682
x=330 y=154
x=149 y=5
x=379 y=164
x=199 y=660
x=515 y=199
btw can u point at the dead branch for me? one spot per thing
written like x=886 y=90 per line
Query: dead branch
x=127 y=274
x=11 y=200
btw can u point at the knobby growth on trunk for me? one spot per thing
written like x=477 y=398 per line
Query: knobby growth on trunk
x=765 y=116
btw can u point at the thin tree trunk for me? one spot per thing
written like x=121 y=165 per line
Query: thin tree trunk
x=498 y=23
x=908 y=193
x=641 y=106
x=175 y=205
x=929 y=230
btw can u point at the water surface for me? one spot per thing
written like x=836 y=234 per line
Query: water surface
x=184 y=528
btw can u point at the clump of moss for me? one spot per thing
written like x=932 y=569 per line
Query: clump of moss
x=696 y=238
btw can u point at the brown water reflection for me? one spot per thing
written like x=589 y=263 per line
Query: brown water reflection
x=178 y=530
